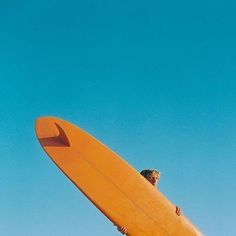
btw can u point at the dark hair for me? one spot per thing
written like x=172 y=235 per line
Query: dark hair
x=145 y=173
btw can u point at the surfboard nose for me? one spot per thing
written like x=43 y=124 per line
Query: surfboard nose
x=51 y=133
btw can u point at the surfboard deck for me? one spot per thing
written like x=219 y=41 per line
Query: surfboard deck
x=109 y=182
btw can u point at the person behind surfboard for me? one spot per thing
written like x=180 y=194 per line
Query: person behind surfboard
x=153 y=177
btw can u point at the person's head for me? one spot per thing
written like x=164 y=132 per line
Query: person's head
x=151 y=175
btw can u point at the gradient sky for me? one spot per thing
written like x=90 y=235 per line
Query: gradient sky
x=153 y=80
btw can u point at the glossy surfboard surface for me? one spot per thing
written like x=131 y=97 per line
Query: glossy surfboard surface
x=109 y=182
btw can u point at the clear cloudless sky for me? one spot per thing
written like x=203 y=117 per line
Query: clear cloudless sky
x=153 y=80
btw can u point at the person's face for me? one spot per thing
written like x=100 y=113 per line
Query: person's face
x=153 y=178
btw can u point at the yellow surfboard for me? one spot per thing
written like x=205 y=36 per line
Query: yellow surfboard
x=109 y=182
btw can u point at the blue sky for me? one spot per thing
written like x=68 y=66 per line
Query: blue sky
x=154 y=81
